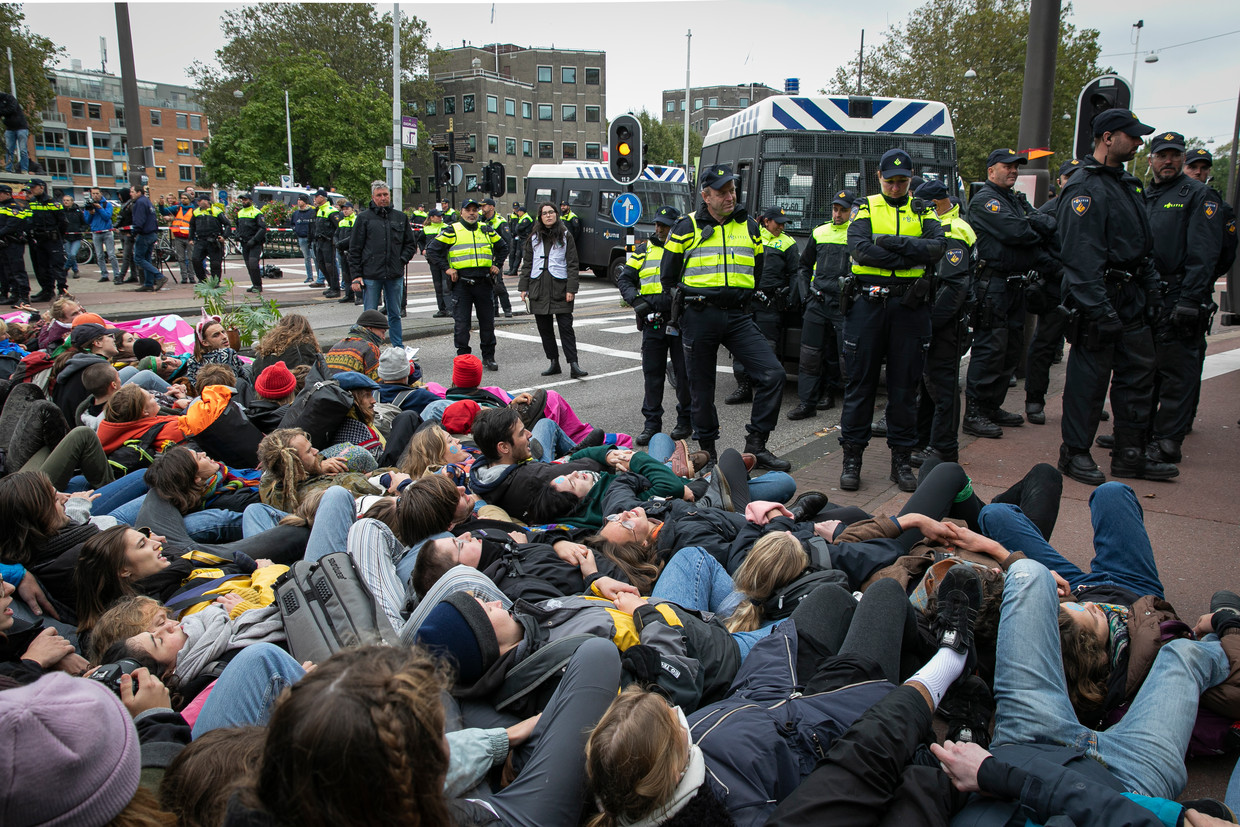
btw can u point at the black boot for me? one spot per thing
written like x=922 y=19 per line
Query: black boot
x=978 y=424
x=1128 y=460
x=850 y=477
x=683 y=430
x=1080 y=466
x=806 y=506
x=553 y=370
x=879 y=428
x=901 y=469
x=1164 y=450
x=1105 y=441
x=1035 y=412
x=347 y=298
x=1004 y=419
x=756 y=444
x=802 y=411
x=742 y=394
x=708 y=445
x=575 y=371
x=591 y=440
x=645 y=436
x=827 y=402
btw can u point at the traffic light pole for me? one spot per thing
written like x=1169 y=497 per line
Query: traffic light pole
x=451 y=160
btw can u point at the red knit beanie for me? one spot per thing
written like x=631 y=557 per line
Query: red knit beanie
x=466 y=371
x=458 y=418
x=275 y=382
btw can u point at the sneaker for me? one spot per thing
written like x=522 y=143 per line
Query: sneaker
x=959 y=596
x=145 y=289
x=968 y=707
x=160 y=282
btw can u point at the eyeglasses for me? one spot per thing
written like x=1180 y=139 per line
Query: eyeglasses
x=629 y=524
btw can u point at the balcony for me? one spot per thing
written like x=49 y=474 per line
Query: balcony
x=116 y=124
x=465 y=74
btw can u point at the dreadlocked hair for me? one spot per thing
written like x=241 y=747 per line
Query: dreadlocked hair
x=775 y=560
x=276 y=456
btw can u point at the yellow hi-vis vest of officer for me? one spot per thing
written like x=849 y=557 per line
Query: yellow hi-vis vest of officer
x=647 y=264
x=779 y=242
x=434 y=229
x=888 y=220
x=249 y=212
x=469 y=248
x=348 y=220
x=180 y=221
x=956 y=227
x=725 y=259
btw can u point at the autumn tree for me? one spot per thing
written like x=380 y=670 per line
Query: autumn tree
x=665 y=142
x=33 y=57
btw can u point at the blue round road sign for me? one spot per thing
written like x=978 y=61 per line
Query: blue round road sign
x=626 y=209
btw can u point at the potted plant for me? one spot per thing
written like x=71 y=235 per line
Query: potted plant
x=245 y=322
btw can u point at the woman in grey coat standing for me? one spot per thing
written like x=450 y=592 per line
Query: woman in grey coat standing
x=548 y=284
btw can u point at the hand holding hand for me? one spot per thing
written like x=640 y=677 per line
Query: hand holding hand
x=628 y=602
x=960 y=762
x=611 y=588
x=761 y=512
x=826 y=529
x=48 y=648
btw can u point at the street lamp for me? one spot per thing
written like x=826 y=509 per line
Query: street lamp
x=970 y=74
x=238 y=94
x=1192 y=109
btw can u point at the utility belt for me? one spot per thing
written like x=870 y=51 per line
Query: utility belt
x=1116 y=276
x=912 y=293
x=775 y=299
x=45 y=235
x=700 y=302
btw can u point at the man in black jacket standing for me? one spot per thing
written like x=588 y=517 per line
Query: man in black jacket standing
x=381 y=245
x=251 y=233
x=47 y=249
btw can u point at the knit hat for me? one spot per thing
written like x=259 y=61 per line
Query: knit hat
x=147 y=347
x=275 y=382
x=72 y=750
x=458 y=629
x=466 y=371
x=88 y=318
x=458 y=418
x=372 y=318
x=394 y=364
x=147 y=363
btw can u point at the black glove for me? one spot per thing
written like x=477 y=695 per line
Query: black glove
x=1043 y=223
x=643 y=308
x=642 y=662
x=1186 y=316
x=1110 y=329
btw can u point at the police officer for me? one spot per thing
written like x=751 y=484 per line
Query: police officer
x=47 y=249
x=1044 y=299
x=251 y=233
x=344 y=234
x=14 y=224
x=208 y=227
x=823 y=263
x=938 y=404
x=443 y=287
x=1108 y=281
x=573 y=222
x=1186 y=221
x=522 y=226
x=712 y=256
x=1012 y=239
x=326 y=220
x=488 y=217
x=887 y=314
x=640 y=286
x=468 y=251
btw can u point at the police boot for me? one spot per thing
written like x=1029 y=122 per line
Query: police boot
x=1080 y=466
x=879 y=428
x=827 y=402
x=1004 y=419
x=1105 y=441
x=756 y=444
x=1163 y=450
x=807 y=505
x=1128 y=460
x=576 y=371
x=1035 y=411
x=802 y=411
x=978 y=424
x=708 y=446
x=742 y=394
x=850 y=477
x=902 y=470
x=683 y=430
x=553 y=370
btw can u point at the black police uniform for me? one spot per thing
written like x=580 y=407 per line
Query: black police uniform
x=658 y=343
x=473 y=289
x=1186 y=221
x=47 y=248
x=889 y=317
x=326 y=222
x=519 y=233
x=773 y=296
x=1012 y=239
x=206 y=226
x=251 y=235
x=824 y=262
x=14 y=225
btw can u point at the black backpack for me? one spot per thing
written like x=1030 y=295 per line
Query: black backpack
x=319 y=410
x=135 y=454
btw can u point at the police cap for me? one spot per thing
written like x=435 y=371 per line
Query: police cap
x=1167 y=140
x=6 y=188
x=489 y=202
x=931 y=190
x=1120 y=120
x=36 y=182
x=1200 y=155
x=775 y=214
x=344 y=204
x=320 y=191
x=1005 y=156
x=844 y=198
x=666 y=216
x=1069 y=167
x=516 y=207
x=895 y=162
x=470 y=202
x=245 y=195
x=717 y=177
x=439 y=213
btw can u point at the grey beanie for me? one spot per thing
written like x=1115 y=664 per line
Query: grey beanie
x=394 y=364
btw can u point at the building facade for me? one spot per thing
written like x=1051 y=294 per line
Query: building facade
x=710 y=103
x=517 y=106
x=84 y=141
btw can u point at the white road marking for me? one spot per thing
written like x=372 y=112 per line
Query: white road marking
x=630 y=329
x=589 y=378
x=589 y=348
x=1221 y=363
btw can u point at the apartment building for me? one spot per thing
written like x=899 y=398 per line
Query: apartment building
x=710 y=103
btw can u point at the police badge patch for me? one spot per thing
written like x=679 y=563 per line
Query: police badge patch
x=1080 y=204
x=852 y=216
x=1211 y=208
x=992 y=205
x=954 y=257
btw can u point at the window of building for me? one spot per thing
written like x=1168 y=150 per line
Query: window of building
x=527 y=110
x=195 y=122
x=510 y=107
x=185 y=172
x=744 y=102
x=711 y=122
x=544 y=74
x=527 y=148
x=467 y=103
x=120 y=114
x=671 y=106
x=430 y=183
x=56 y=167
x=105 y=168
x=713 y=102
x=157 y=117
x=120 y=145
x=593 y=76
x=568 y=112
x=545 y=149
x=182 y=120
x=157 y=144
x=593 y=114
x=415 y=184
x=449 y=105
x=593 y=152
x=568 y=74
x=77 y=109
x=94 y=111
x=103 y=141
x=471 y=143
x=682 y=105
x=512 y=184
x=510 y=146
x=492 y=104
x=182 y=147
x=493 y=144
x=200 y=175
x=697 y=104
x=161 y=172
x=198 y=147
x=471 y=183
x=544 y=111
x=570 y=150
x=432 y=108
x=77 y=137
x=79 y=166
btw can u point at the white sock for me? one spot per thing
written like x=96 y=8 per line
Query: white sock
x=940 y=673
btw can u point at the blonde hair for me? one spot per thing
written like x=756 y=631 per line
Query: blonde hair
x=303 y=514
x=634 y=757
x=775 y=560
x=126 y=617
x=425 y=451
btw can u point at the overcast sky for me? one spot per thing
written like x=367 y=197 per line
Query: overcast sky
x=733 y=42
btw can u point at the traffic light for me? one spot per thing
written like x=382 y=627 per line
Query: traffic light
x=484 y=179
x=1099 y=95
x=499 y=184
x=442 y=171
x=624 y=139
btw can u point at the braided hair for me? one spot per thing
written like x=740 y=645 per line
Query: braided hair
x=278 y=458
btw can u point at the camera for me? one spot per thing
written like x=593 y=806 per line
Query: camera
x=109 y=674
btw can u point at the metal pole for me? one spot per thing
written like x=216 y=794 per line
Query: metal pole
x=1132 y=81
x=860 y=61
x=288 y=132
x=1038 y=94
x=685 y=151
x=1233 y=195
x=90 y=143
x=398 y=201
x=129 y=89
x=12 y=79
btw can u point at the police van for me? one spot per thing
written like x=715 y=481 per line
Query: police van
x=797 y=152
x=590 y=191
x=289 y=195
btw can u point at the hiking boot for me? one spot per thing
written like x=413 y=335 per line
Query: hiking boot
x=977 y=423
x=1080 y=466
x=681 y=464
x=160 y=283
x=591 y=440
x=1131 y=463
x=958 y=599
x=1004 y=419
x=645 y=436
x=802 y=411
x=968 y=707
x=850 y=476
x=806 y=506
x=756 y=444
x=1035 y=412
x=742 y=394
x=1163 y=450
x=879 y=428
x=901 y=470
x=683 y=430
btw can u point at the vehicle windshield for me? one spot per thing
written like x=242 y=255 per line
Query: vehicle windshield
x=655 y=194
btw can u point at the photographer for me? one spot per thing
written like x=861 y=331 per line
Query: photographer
x=75 y=230
x=99 y=213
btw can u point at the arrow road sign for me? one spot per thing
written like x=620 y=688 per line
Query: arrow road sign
x=626 y=209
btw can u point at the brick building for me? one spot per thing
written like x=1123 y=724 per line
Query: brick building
x=710 y=103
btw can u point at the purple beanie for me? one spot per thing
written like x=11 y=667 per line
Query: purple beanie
x=70 y=750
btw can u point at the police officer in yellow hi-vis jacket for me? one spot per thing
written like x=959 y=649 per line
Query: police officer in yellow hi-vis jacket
x=713 y=256
x=892 y=241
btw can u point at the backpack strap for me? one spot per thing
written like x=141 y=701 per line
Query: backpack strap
x=199 y=593
x=531 y=673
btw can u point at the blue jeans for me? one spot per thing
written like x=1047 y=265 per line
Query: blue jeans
x=1233 y=791
x=148 y=379
x=105 y=251
x=142 y=245
x=211 y=525
x=392 y=290
x=773 y=486
x=1145 y=750
x=307 y=255
x=1123 y=555
x=434 y=410
x=16 y=142
x=115 y=494
x=696 y=580
x=555 y=443
x=333 y=519
x=71 y=251
x=248 y=688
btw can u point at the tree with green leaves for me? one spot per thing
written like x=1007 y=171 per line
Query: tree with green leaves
x=33 y=57
x=665 y=142
x=334 y=59
x=928 y=55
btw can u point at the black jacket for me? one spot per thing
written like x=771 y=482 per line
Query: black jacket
x=382 y=244
x=1011 y=235
x=11 y=111
x=75 y=223
x=251 y=232
x=822 y=267
x=207 y=225
x=1186 y=220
